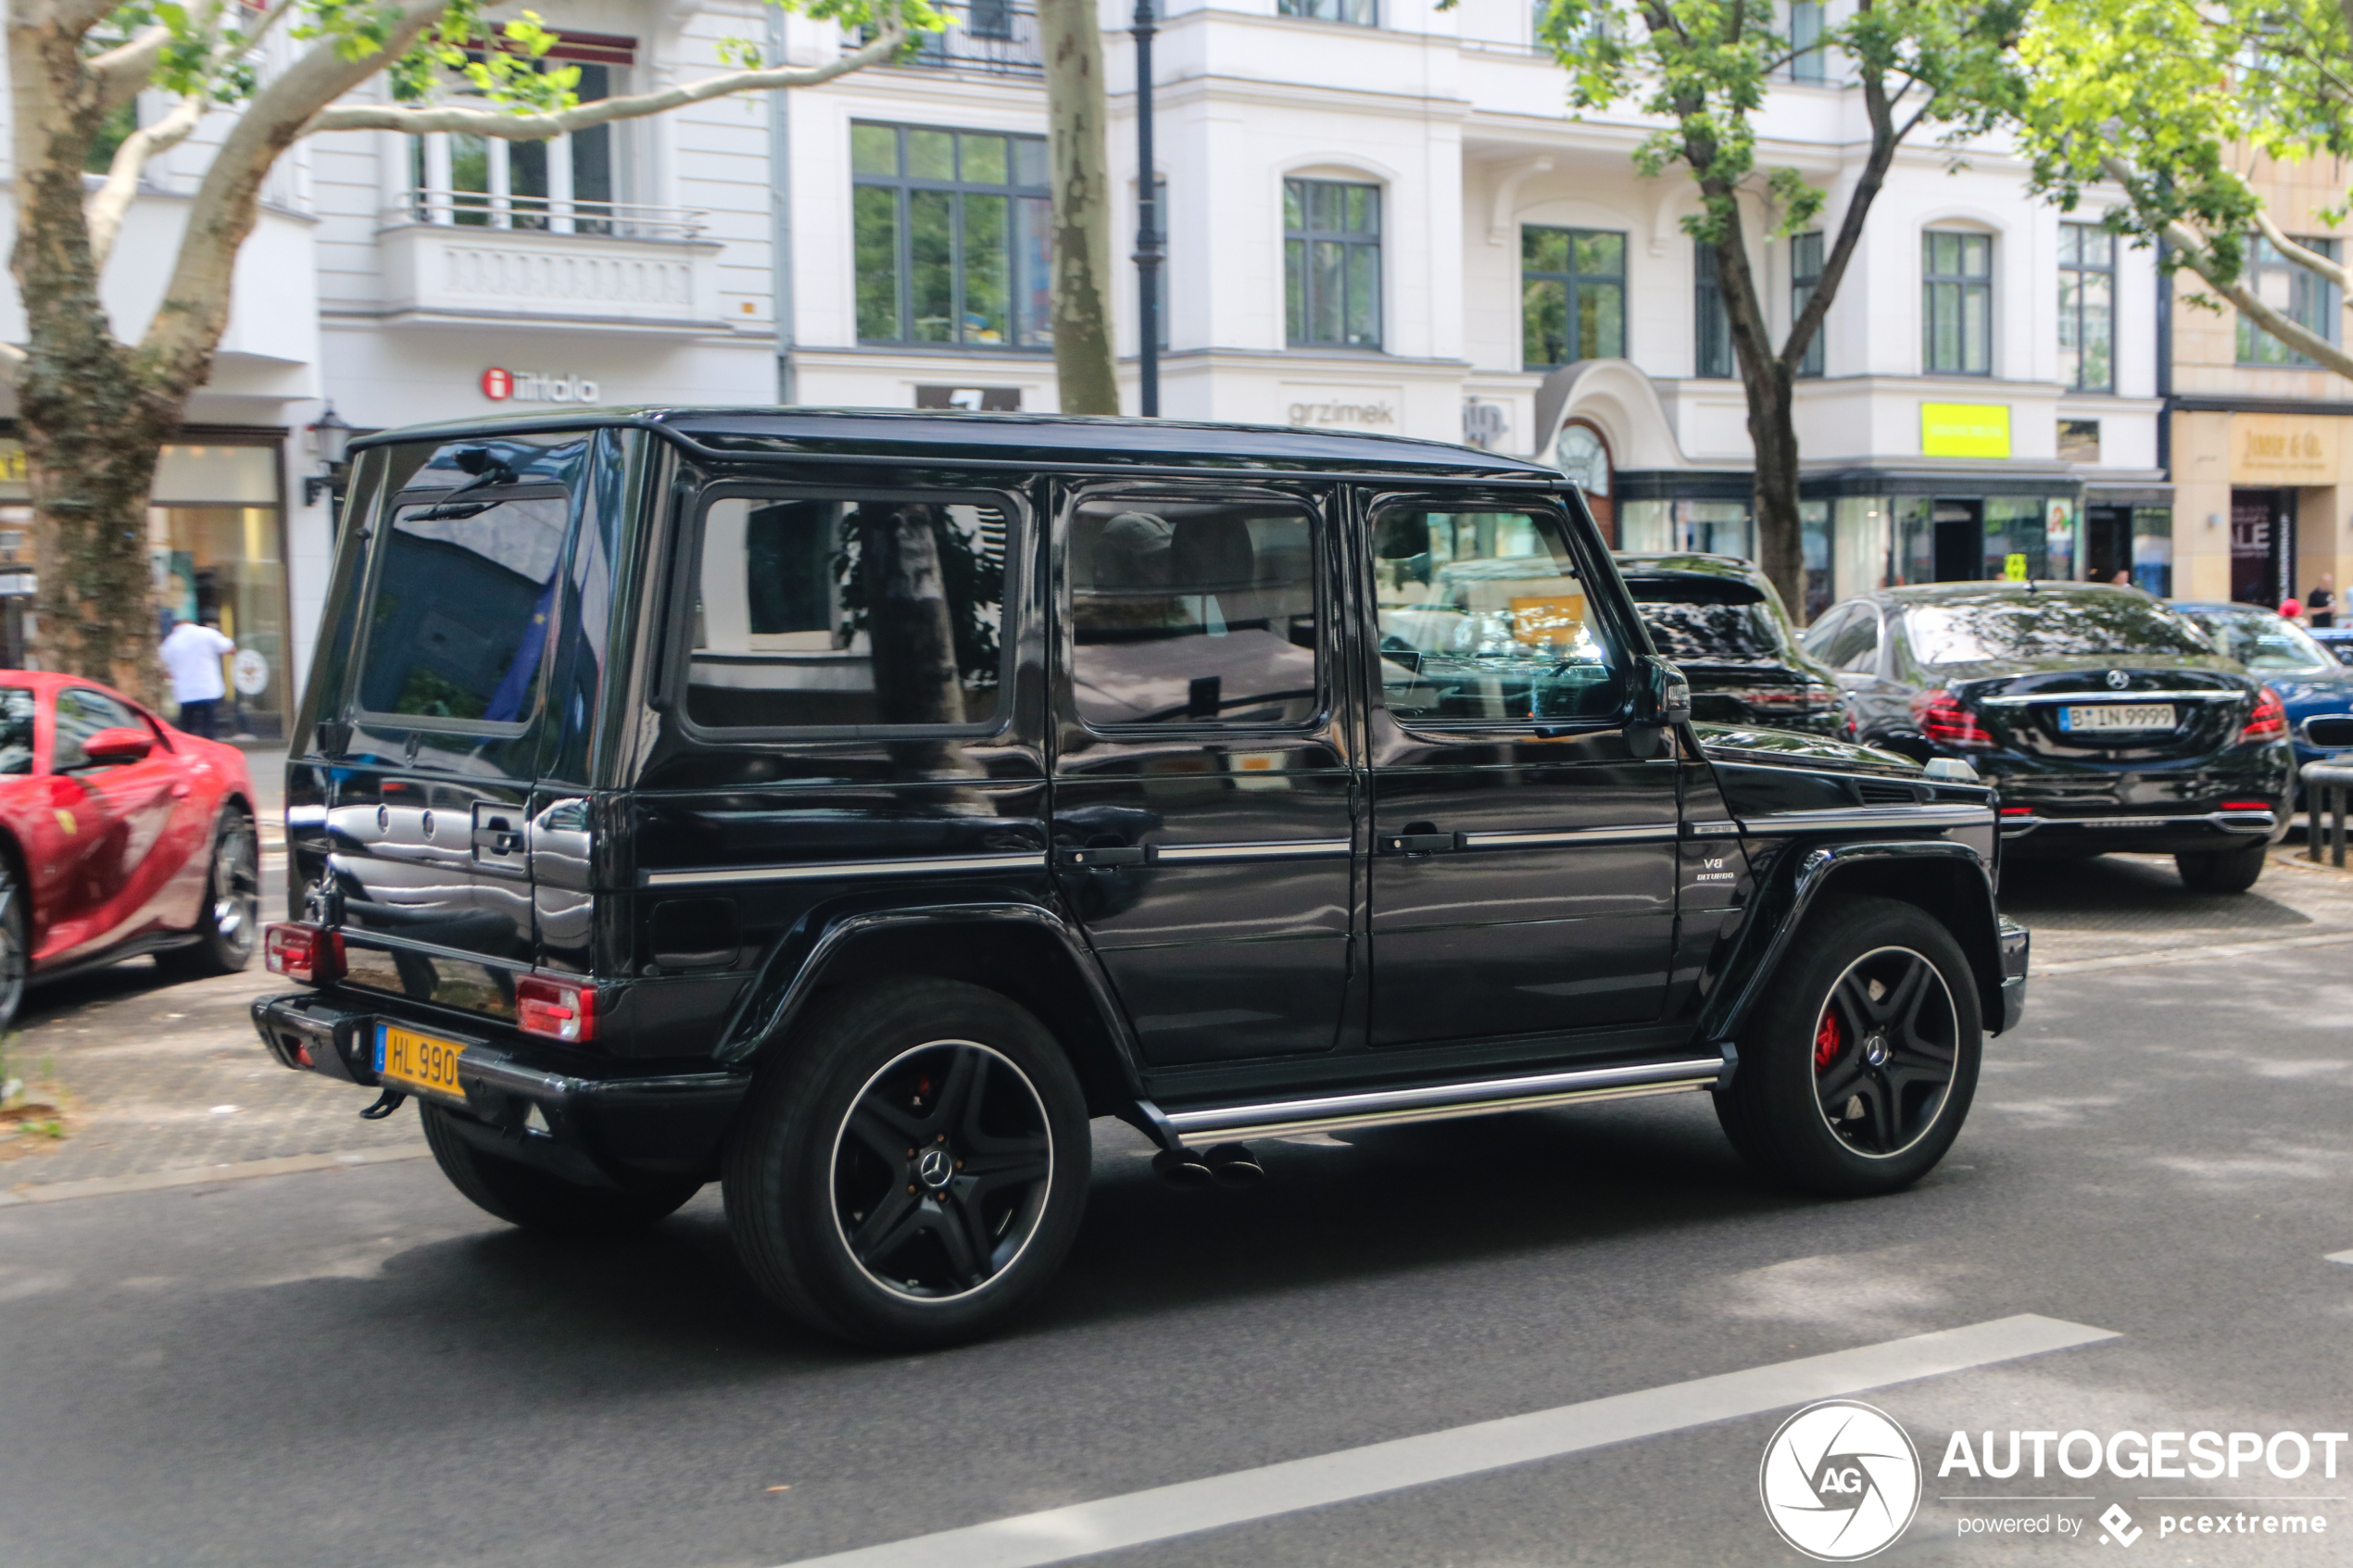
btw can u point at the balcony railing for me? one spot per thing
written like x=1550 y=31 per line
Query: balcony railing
x=547 y=215
x=994 y=37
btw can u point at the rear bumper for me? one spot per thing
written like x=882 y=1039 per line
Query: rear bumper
x=601 y=1130
x=2014 y=941
x=2139 y=832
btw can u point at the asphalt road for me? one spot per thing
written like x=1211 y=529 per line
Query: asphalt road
x=354 y=1367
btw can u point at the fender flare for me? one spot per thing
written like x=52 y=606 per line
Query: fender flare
x=1790 y=894
x=798 y=967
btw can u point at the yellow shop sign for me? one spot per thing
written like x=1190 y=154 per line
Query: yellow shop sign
x=1964 y=429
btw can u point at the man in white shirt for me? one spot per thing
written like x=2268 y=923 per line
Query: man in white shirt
x=192 y=655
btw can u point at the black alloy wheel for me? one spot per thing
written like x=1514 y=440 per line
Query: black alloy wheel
x=229 y=922
x=941 y=1170
x=1857 y=1069
x=1884 y=1051
x=911 y=1165
x=15 y=951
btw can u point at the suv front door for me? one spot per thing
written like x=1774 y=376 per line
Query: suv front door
x=1203 y=799
x=1524 y=845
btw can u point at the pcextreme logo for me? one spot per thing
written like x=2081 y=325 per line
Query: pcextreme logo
x=1841 y=1481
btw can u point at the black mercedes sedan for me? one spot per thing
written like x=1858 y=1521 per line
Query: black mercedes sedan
x=1719 y=619
x=2106 y=719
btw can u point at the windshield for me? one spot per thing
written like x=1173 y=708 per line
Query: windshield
x=2260 y=640
x=1710 y=623
x=2006 y=630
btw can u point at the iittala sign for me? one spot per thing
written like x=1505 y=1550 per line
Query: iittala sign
x=536 y=386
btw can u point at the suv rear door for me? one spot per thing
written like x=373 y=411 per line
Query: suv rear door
x=427 y=812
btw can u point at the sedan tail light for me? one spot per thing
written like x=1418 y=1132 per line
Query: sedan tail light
x=556 y=1010
x=2269 y=721
x=310 y=954
x=1942 y=719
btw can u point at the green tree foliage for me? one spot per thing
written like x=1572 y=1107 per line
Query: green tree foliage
x=2171 y=103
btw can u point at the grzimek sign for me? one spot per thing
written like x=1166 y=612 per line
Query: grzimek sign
x=536 y=386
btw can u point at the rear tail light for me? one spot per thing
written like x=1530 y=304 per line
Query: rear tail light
x=307 y=953
x=1942 y=719
x=2249 y=805
x=2268 y=721
x=2018 y=811
x=556 y=1010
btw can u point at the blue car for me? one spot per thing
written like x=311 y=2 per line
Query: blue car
x=2315 y=688
x=2338 y=640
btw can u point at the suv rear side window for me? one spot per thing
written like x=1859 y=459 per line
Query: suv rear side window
x=846 y=614
x=1192 y=612
x=1484 y=618
x=464 y=593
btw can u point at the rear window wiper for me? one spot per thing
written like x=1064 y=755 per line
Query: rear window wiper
x=486 y=470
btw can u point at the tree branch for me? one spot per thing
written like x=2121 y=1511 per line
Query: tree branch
x=2303 y=255
x=103 y=212
x=123 y=71
x=581 y=117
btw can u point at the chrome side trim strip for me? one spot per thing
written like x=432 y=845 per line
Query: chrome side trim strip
x=1839 y=818
x=1644 y=833
x=1028 y=861
x=2201 y=695
x=1437 y=1102
x=1286 y=849
x=2227 y=821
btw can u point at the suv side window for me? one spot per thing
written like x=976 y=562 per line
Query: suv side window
x=82 y=713
x=847 y=613
x=1484 y=618
x=1193 y=613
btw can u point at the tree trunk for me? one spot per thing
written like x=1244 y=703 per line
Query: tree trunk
x=1772 y=430
x=92 y=429
x=1073 y=44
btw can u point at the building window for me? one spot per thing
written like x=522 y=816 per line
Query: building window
x=2087 y=308
x=1807 y=63
x=1160 y=273
x=1957 y=303
x=1804 y=275
x=954 y=237
x=1363 y=13
x=2302 y=296
x=1331 y=263
x=564 y=186
x=1572 y=295
x=1712 y=323
x=2079 y=441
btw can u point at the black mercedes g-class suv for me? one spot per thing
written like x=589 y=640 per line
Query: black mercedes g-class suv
x=846 y=807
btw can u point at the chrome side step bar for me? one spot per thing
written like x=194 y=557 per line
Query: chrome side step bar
x=1440 y=1101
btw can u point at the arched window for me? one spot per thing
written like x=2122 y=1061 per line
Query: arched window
x=1581 y=451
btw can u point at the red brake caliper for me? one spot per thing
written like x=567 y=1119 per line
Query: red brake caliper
x=1828 y=1038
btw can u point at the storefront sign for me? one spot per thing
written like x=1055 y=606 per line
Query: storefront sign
x=2284 y=449
x=1964 y=429
x=1370 y=414
x=536 y=386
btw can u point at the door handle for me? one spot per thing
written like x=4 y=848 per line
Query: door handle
x=1420 y=838
x=497 y=841
x=1103 y=857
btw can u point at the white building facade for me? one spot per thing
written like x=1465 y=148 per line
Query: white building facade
x=1380 y=216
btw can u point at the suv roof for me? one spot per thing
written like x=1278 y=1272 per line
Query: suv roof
x=1027 y=440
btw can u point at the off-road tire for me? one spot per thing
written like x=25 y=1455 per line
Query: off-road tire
x=2222 y=870
x=1774 y=1112
x=795 y=1147
x=535 y=1201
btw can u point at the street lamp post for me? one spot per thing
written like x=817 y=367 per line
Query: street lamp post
x=1148 y=243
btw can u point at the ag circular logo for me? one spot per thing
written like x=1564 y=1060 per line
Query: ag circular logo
x=1841 y=1481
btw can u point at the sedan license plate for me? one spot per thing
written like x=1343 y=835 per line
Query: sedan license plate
x=2119 y=716
x=417 y=1062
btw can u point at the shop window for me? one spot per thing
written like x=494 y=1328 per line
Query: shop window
x=1804 y=277
x=2303 y=297
x=2153 y=550
x=215 y=537
x=1582 y=453
x=564 y=186
x=1331 y=264
x=1712 y=324
x=1957 y=303
x=2087 y=308
x=953 y=237
x=1572 y=295
x=1360 y=13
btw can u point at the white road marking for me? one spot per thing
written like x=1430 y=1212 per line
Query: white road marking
x=1109 y=1523
x=2338 y=1258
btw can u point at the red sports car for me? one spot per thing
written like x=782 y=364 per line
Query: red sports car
x=118 y=835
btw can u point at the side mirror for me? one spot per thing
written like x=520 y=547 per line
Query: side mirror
x=1661 y=699
x=110 y=749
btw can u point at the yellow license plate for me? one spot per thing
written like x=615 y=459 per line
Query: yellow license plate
x=418 y=1062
